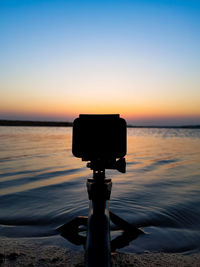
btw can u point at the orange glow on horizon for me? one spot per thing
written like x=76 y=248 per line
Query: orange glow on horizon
x=72 y=110
x=127 y=106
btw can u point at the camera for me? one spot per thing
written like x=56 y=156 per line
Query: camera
x=99 y=137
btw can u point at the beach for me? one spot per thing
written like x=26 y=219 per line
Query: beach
x=17 y=253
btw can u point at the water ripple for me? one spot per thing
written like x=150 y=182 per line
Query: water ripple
x=42 y=186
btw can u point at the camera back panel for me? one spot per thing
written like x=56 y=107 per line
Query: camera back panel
x=99 y=137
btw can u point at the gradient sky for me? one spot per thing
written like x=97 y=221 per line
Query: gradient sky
x=137 y=58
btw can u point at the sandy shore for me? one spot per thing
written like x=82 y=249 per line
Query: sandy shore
x=18 y=253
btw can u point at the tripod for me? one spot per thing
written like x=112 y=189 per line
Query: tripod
x=98 y=244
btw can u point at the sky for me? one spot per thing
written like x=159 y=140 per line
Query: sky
x=140 y=59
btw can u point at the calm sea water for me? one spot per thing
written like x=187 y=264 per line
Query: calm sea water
x=42 y=186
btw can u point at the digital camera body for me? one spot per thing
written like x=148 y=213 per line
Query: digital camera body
x=99 y=137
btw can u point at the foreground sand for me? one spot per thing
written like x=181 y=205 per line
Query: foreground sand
x=17 y=253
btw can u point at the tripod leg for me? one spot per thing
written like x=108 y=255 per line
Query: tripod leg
x=70 y=230
x=124 y=225
x=130 y=232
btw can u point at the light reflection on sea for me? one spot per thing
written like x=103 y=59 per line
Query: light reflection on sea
x=42 y=186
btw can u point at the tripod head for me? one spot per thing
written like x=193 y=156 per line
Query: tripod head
x=101 y=140
x=119 y=165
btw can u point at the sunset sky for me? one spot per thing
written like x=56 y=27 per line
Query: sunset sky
x=141 y=59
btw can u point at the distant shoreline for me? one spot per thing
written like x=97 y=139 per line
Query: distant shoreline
x=166 y=126
x=35 y=123
x=70 y=124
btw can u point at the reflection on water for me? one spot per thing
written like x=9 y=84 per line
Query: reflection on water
x=42 y=186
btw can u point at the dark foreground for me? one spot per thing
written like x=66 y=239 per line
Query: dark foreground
x=15 y=252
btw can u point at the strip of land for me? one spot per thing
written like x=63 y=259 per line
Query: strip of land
x=166 y=126
x=70 y=124
x=35 y=123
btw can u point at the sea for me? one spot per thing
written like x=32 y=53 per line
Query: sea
x=43 y=186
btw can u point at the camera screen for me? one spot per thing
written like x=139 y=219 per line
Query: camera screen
x=99 y=137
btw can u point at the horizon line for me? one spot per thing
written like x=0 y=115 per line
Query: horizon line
x=43 y=123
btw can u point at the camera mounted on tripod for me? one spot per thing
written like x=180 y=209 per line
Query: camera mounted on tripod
x=101 y=140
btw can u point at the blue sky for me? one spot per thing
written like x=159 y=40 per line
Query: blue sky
x=137 y=58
